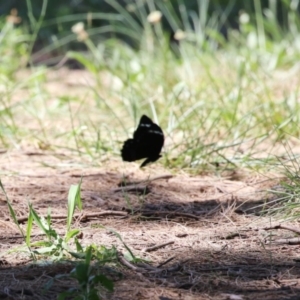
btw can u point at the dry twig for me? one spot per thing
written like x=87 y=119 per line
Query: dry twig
x=133 y=188
x=279 y=226
x=83 y=217
x=165 y=262
x=148 y=249
x=168 y=213
x=126 y=263
x=146 y=180
x=292 y=241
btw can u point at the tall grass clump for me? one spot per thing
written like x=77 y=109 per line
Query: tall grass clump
x=223 y=101
x=14 y=56
x=226 y=96
x=284 y=197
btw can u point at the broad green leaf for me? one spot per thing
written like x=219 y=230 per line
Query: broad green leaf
x=88 y=257
x=74 y=200
x=79 y=255
x=29 y=228
x=49 y=217
x=13 y=215
x=93 y=295
x=45 y=250
x=82 y=273
x=11 y=210
x=107 y=283
x=78 y=245
x=70 y=234
x=37 y=219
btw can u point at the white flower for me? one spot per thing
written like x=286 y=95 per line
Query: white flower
x=78 y=27
x=244 y=18
x=79 y=30
x=154 y=17
x=179 y=35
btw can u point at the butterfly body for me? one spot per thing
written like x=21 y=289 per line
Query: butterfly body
x=147 y=142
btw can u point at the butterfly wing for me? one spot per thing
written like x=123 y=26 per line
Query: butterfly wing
x=128 y=151
x=147 y=142
x=149 y=139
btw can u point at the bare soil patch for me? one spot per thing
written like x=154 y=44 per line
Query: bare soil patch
x=215 y=243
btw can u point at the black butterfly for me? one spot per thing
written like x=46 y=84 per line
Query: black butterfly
x=147 y=142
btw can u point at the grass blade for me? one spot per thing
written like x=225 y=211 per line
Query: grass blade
x=74 y=200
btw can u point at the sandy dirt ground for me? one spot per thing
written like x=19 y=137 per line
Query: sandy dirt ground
x=204 y=237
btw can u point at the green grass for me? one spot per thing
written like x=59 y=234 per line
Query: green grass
x=91 y=283
x=222 y=103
